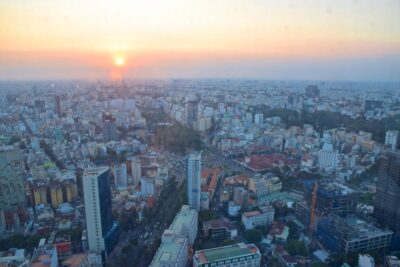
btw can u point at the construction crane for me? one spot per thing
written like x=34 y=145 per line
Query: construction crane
x=313 y=204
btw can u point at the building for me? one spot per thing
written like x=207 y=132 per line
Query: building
x=264 y=216
x=173 y=251
x=136 y=168
x=102 y=231
x=328 y=158
x=220 y=229
x=14 y=257
x=120 y=176
x=351 y=233
x=109 y=128
x=56 y=195
x=12 y=191
x=391 y=139
x=332 y=196
x=392 y=261
x=365 y=260
x=239 y=195
x=38 y=194
x=45 y=255
x=312 y=91
x=234 y=255
x=185 y=224
x=258 y=119
x=176 y=241
x=194 y=180
x=387 y=196
x=77 y=260
x=192 y=113
x=372 y=105
x=147 y=186
x=264 y=185
x=58 y=108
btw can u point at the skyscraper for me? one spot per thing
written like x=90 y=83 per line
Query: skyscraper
x=192 y=113
x=58 y=105
x=102 y=231
x=12 y=192
x=136 y=170
x=387 y=197
x=109 y=128
x=194 y=180
x=120 y=176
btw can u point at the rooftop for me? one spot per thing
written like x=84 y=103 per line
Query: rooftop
x=169 y=250
x=184 y=217
x=224 y=253
x=219 y=223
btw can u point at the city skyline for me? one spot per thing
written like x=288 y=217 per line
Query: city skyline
x=317 y=40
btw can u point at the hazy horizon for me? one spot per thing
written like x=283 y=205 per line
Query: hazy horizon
x=289 y=40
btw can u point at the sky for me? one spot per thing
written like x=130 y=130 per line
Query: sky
x=263 y=39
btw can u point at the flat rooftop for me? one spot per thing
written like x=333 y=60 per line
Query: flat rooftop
x=184 y=217
x=225 y=253
x=169 y=252
x=95 y=171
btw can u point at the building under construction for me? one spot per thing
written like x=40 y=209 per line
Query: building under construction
x=351 y=233
x=330 y=197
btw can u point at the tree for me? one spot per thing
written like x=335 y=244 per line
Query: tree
x=252 y=235
x=295 y=247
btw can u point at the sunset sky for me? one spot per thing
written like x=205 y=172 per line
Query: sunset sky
x=298 y=39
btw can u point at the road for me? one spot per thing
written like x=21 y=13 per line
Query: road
x=154 y=226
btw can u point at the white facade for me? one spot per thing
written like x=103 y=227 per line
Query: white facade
x=391 y=139
x=147 y=186
x=255 y=218
x=173 y=251
x=194 y=180
x=328 y=158
x=365 y=261
x=92 y=208
x=258 y=118
x=186 y=223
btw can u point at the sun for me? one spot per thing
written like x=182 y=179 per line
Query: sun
x=119 y=61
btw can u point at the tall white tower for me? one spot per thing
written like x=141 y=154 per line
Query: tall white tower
x=194 y=180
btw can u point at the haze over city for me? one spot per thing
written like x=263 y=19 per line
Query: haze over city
x=312 y=40
x=199 y=133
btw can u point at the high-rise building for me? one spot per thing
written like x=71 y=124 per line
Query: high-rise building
x=312 y=91
x=58 y=105
x=109 y=128
x=12 y=192
x=391 y=139
x=351 y=233
x=328 y=158
x=259 y=118
x=387 y=198
x=102 y=231
x=147 y=186
x=192 y=113
x=194 y=180
x=173 y=251
x=232 y=255
x=120 y=176
x=136 y=168
x=176 y=240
